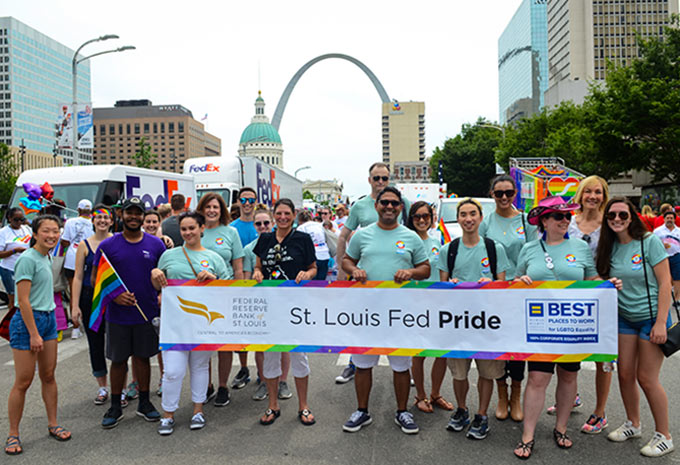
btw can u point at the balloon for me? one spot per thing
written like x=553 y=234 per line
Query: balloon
x=34 y=191
x=29 y=205
x=47 y=191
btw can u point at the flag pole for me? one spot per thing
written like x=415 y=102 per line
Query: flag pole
x=126 y=289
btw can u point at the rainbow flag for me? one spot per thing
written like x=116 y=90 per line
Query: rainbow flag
x=445 y=236
x=107 y=287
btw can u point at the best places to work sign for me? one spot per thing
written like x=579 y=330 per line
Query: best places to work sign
x=548 y=321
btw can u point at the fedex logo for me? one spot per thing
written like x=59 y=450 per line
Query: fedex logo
x=267 y=190
x=150 y=194
x=208 y=168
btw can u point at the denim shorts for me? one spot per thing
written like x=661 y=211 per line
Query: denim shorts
x=7 y=280
x=674 y=262
x=19 y=337
x=640 y=329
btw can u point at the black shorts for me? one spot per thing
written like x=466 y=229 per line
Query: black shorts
x=549 y=367
x=122 y=341
x=69 y=273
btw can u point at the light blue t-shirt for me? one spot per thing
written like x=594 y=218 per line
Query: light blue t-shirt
x=176 y=266
x=571 y=258
x=249 y=258
x=246 y=230
x=363 y=213
x=510 y=233
x=472 y=263
x=223 y=240
x=35 y=267
x=626 y=264
x=382 y=252
x=432 y=247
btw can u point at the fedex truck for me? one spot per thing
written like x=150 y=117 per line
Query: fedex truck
x=107 y=184
x=226 y=175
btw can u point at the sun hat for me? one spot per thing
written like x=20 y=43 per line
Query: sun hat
x=548 y=205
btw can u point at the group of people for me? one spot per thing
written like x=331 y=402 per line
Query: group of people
x=593 y=237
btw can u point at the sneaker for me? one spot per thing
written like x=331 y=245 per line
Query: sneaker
x=346 y=375
x=222 y=397
x=594 y=425
x=102 y=396
x=479 y=428
x=261 y=392
x=112 y=417
x=242 y=378
x=166 y=426
x=75 y=333
x=357 y=421
x=625 y=431
x=552 y=410
x=132 y=391
x=406 y=422
x=459 y=420
x=284 y=392
x=197 y=421
x=147 y=411
x=123 y=401
x=657 y=446
x=210 y=394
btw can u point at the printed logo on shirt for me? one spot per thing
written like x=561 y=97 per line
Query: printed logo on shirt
x=23 y=239
x=276 y=274
x=205 y=263
x=485 y=265
x=636 y=261
x=571 y=259
x=435 y=251
x=146 y=254
x=400 y=247
x=219 y=241
x=520 y=231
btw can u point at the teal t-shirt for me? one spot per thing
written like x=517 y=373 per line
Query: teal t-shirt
x=175 y=265
x=510 y=233
x=626 y=264
x=432 y=247
x=363 y=213
x=35 y=267
x=225 y=241
x=382 y=252
x=472 y=263
x=572 y=259
x=249 y=259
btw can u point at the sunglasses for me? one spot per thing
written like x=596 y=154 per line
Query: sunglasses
x=17 y=218
x=557 y=216
x=324 y=213
x=424 y=216
x=381 y=178
x=393 y=203
x=260 y=223
x=499 y=194
x=611 y=216
x=244 y=200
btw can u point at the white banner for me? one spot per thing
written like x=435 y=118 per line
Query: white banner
x=65 y=122
x=571 y=320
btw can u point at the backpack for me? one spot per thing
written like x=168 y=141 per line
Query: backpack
x=490 y=252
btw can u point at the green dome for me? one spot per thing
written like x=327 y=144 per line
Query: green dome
x=260 y=132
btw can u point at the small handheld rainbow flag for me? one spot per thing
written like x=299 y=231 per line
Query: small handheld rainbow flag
x=445 y=236
x=107 y=287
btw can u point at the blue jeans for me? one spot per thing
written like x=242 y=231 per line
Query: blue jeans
x=321 y=270
x=19 y=337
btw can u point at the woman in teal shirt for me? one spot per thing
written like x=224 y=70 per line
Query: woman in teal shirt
x=421 y=220
x=33 y=331
x=629 y=252
x=510 y=228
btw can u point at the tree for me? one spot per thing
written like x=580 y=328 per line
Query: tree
x=8 y=177
x=468 y=162
x=144 y=158
x=306 y=195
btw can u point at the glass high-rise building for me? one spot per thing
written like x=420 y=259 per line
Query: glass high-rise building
x=35 y=78
x=523 y=62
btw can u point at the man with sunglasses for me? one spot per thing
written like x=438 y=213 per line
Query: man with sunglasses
x=385 y=251
x=247 y=198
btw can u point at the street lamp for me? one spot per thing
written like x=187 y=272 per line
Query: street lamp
x=74 y=70
x=300 y=169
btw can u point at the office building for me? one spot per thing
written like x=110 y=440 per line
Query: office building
x=411 y=172
x=403 y=132
x=170 y=130
x=35 y=79
x=523 y=62
x=260 y=139
x=583 y=35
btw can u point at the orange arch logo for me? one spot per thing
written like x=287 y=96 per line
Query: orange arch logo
x=196 y=308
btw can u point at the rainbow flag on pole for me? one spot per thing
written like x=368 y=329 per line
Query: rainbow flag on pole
x=445 y=236
x=107 y=287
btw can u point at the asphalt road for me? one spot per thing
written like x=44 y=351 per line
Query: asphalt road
x=233 y=434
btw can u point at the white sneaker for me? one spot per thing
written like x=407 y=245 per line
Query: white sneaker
x=657 y=446
x=625 y=431
x=75 y=333
x=197 y=421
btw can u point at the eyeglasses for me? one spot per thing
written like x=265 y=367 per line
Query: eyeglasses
x=424 y=216
x=499 y=194
x=381 y=178
x=260 y=223
x=611 y=216
x=324 y=213
x=393 y=203
x=244 y=200
x=17 y=218
x=557 y=216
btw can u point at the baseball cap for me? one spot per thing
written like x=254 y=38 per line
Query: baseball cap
x=132 y=203
x=84 y=204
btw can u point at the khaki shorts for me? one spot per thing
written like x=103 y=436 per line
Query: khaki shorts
x=489 y=369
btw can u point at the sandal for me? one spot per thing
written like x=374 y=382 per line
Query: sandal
x=440 y=402
x=274 y=414
x=13 y=442
x=561 y=439
x=427 y=408
x=524 y=447
x=304 y=416
x=59 y=433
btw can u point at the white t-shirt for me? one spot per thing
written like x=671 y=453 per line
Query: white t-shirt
x=670 y=239
x=75 y=230
x=13 y=239
x=340 y=223
x=315 y=230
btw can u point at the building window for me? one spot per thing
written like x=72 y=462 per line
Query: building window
x=112 y=130
x=127 y=129
x=146 y=128
x=102 y=130
x=136 y=128
x=180 y=126
x=162 y=127
x=155 y=128
x=171 y=127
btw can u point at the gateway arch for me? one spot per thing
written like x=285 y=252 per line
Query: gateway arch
x=281 y=107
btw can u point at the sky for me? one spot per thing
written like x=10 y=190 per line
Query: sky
x=213 y=56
